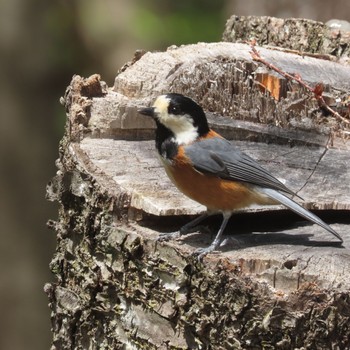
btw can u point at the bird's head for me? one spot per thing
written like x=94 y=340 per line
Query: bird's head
x=181 y=115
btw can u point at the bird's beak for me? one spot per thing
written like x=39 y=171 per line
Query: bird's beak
x=147 y=111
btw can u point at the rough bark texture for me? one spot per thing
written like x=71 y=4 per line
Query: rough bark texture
x=282 y=286
x=328 y=41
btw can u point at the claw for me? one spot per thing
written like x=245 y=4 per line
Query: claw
x=200 y=253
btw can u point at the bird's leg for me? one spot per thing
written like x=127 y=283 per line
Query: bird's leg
x=184 y=230
x=201 y=252
x=192 y=226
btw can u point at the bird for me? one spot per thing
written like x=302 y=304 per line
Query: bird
x=211 y=170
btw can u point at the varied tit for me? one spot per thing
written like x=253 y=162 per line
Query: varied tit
x=211 y=170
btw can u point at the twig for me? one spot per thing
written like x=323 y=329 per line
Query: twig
x=317 y=91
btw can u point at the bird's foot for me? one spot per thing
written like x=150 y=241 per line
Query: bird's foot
x=168 y=236
x=185 y=230
x=200 y=253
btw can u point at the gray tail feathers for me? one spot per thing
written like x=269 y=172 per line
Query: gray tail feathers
x=289 y=203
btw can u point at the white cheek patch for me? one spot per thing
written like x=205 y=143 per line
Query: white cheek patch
x=183 y=130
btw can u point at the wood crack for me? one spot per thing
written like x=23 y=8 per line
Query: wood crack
x=313 y=170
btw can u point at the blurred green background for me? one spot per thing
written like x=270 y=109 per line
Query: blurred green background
x=43 y=43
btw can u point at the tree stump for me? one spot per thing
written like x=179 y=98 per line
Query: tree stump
x=281 y=283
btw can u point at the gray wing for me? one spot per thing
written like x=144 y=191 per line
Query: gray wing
x=219 y=157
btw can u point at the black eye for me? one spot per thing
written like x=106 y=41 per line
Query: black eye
x=173 y=109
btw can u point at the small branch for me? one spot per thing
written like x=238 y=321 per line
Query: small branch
x=315 y=167
x=317 y=91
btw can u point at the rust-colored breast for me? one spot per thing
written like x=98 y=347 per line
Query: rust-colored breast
x=212 y=134
x=211 y=191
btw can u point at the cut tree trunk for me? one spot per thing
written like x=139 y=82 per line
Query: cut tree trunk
x=279 y=284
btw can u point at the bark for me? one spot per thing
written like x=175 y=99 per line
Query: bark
x=328 y=41
x=280 y=284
